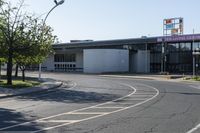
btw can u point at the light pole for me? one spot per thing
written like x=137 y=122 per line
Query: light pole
x=147 y=61
x=193 y=65
x=57 y=4
x=195 y=53
x=193 y=57
x=162 y=56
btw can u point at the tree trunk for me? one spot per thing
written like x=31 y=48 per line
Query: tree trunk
x=16 y=71
x=0 y=69
x=23 y=75
x=23 y=68
x=9 y=67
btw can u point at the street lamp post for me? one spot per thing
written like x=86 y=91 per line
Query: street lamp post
x=162 y=56
x=195 y=54
x=193 y=65
x=57 y=4
x=147 y=61
x=193 y=57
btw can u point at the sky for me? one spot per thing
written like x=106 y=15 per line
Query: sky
x=114 y=19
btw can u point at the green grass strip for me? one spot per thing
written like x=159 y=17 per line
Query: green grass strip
x=18 y=84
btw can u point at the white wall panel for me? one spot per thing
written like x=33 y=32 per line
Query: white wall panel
x=105 y=60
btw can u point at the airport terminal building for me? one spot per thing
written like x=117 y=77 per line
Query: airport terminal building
x=173 y=54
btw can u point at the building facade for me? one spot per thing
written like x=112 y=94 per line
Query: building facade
x=173 y=54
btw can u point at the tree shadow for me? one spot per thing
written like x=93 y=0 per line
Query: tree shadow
x=71 y=96
x=9 y=118
x=190 y=93
x=185 y=93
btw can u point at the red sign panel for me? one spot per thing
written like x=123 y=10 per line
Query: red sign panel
x=168 y=21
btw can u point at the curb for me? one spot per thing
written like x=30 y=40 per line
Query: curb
x=37 y=91
x=151 y=78
x=190 y=81
x=144 y=78
x=117 y=76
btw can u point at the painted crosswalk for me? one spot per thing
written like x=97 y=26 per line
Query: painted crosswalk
x=138 y=96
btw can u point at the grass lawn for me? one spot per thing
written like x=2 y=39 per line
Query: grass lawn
x=17 y=84
x=197 y=78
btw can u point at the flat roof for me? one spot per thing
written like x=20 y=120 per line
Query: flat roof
x=142 y=40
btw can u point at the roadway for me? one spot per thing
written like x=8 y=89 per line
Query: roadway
x=94 y=104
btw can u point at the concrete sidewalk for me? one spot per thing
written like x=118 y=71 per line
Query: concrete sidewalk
x=46 y=85
x=172 y=78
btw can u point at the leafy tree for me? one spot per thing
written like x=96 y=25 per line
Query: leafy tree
x=34 y=44
x=23 y=38
x=11 y=18
x=2 y=60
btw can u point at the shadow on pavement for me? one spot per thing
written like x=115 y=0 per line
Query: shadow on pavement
x=71 y=96
x=185 y=93
x=10 y=118
x=190 y=93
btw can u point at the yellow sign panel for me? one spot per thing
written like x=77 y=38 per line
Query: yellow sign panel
x=174 y=31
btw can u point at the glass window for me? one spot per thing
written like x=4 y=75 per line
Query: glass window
x=155 y=47
x=155 y=57
x=65 y=58
x=196 y=45
x=173 y=47
x=59 y=58
x=173 y=58
x=185 y=46
x=186 y=58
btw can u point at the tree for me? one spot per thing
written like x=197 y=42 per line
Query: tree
x=34 y=44
x=11 y=18
x=2 y=60
x=1 y=2
x=23 y=37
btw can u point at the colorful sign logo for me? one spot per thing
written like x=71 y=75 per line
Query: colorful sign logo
x=170 y=26
x=173 y=26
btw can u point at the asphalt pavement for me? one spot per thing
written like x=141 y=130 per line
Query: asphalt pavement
x=96 y=104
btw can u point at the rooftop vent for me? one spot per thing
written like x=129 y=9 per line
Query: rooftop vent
x=143 y=37
x=74 y=41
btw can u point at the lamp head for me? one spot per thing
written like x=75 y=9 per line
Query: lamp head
x=55 y=1
x=60 y=2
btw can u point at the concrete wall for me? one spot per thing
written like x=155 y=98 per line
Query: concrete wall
x=140 y=61
x=49 y=63
x=79 y=59
x=105 y=60
x=133 y=61
x=143 y=65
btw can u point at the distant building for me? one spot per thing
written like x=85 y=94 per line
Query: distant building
x=138 y=55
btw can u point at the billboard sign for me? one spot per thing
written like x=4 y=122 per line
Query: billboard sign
x=173 y=26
